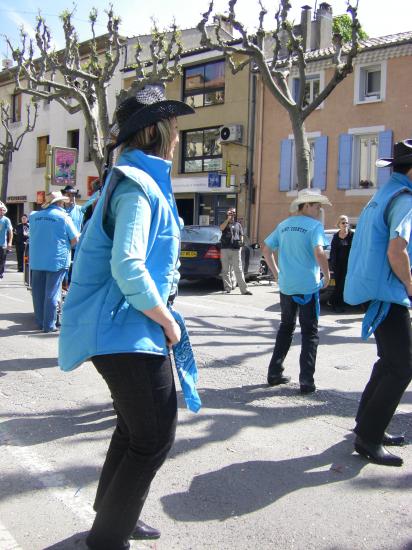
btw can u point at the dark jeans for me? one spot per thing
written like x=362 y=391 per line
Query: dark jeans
x=20 y=256
x=390 y=376
x=144 y=398
x=310 y=339
x=3 y=256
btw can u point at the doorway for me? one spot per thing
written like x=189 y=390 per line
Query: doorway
x=185 y=207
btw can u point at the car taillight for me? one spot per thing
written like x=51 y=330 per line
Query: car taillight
x=212 y=253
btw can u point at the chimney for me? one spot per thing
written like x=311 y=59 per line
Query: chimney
x=224 y=23
x=306 y=27
x=323 y=26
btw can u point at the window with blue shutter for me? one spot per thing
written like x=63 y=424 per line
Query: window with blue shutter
x=321 y=162
x=285 y=172
x=385 y=143
x=345 y=161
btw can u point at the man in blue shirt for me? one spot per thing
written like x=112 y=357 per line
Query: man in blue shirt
x=75 y=211
x=52 y=234
x=299 y=241
x=6 y=237
x=379 y=275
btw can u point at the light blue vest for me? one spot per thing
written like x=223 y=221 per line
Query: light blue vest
x=97 y=319
x=369 y=275
x=49 y=239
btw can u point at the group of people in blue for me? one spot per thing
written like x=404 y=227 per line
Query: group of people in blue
x=119 y=311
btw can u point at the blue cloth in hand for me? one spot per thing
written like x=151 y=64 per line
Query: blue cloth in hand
x=186 y=365
x=303 y=299
x=375 y=314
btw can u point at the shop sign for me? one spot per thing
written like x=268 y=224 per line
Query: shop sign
x=64 y=165
x=19 y=198
x=214 y=179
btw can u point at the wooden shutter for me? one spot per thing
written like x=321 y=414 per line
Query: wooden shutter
x=345 y=161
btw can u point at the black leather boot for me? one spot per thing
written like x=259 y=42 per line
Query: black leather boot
x=376 y=453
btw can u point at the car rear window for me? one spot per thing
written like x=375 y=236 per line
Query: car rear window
x=204 y=234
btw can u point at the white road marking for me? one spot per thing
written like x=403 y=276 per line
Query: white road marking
x=7 y=542
x=57 y=484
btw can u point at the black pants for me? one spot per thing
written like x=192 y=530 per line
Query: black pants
x=144 y=398
x=3 y=256
x=337 y=296
x=390 y=376
x=310 y=339
x=20 y=256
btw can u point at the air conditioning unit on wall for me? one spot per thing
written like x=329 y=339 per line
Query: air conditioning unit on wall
x=231 y=133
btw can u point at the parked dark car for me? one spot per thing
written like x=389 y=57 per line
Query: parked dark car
x=200 y=253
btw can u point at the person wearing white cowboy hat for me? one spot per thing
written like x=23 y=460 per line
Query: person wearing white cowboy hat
x=52 y=234
x=379 y=274
x=124 y=275
x=6 y=237
x=299 y=241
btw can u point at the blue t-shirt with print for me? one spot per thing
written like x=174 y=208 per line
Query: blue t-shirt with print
x=5 y=227
x=295 y=239
x=400 y=218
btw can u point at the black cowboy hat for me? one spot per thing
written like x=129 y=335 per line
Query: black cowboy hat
x=402 y=155
x=70 y=190
x=144 y=108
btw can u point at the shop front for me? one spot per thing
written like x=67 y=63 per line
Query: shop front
x=204 y=200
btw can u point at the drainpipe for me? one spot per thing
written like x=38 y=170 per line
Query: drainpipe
x=251 y=149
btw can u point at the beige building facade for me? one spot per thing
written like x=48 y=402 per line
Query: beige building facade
x=358 y=123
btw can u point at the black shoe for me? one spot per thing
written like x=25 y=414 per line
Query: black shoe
x=144 y=532
x=278 y=379
x=390 y=440
x=307 y=388
x=376 y=453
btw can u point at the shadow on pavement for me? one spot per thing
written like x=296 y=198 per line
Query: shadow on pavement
x=245 y=487
x=77 y=541
x=27 y=429
x=27 y=363
x=20 y=323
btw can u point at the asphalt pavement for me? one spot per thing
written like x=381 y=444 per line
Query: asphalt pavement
x=257 y=468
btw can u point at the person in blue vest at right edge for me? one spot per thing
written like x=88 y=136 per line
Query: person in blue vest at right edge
x=379 y=275
x=118 y=313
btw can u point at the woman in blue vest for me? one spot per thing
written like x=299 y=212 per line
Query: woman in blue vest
x=379 y=274
x=116 y=311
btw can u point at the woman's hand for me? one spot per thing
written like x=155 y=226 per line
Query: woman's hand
x=172 y=332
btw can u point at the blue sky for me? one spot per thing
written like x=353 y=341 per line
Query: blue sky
x=375 y=15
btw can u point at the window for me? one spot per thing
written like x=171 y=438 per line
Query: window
x=288 y=177
x=365 y=155
x=201 y=150
x=73 y=139
x=370 y=82
x=358 y=152
x=312 y=88
x=204 y=84
x=16 y=107
x=42 y=143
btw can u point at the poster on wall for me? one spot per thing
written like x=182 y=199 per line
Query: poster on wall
x=92 y=184
x=64 y=166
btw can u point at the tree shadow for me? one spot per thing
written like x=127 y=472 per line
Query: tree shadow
x=77 y=541
x=245 y=487
x=20 y=323
x=31 y=429
x=26 y=363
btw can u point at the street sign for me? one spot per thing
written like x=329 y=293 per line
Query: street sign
x=214 y=179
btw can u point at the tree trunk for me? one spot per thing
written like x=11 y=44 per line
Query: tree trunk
x=5 y=177
x=302 y=150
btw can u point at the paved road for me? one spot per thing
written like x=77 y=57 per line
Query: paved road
x=257 y=468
